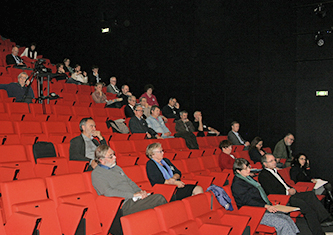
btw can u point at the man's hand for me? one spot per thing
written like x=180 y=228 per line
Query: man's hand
x=141 y=194
x=271 y=209
x=177 y=105
x=148 y=135
x=93 y=164
x=291 y=191
x=180 y=184
x=97 y=134
x=158 y=137
x=167 y=133
x=85 y=73
x=27 y=82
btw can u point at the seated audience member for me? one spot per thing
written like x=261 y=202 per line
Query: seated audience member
x=124 y=94
x=255 y=150
x=67 y=67
x=19 y=90
x=110 y=180
x=78 y=77
x=82 y=147
x=300 y=172
x=155 y=121
x=235 y=137
x=14 y=59
x=95 y=77
x=129 y=108
x=184 y=129
x=248 y=192
x=99 y=97
x=226 y=159
x=314 y=212
x=112 y=87
x=146 y=107
x=201 y=126
x=151 y=99
x=171 y=110
x=60 y=72
x=139 y=125
x=161 y=171
x=283 y=150
x=30 y=52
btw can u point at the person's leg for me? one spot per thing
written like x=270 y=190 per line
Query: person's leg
x=309 y=214
x=282 y=223
x=143 y=204
x=116 y=228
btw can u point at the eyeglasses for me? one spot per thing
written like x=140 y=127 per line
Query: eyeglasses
x=247 y=167
x=161 y=151
x=139 y=110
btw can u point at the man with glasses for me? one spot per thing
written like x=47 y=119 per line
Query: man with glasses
x=138 y=124
x=312 y=209
x=110 y=180
x=112 y=87
x=283 y=150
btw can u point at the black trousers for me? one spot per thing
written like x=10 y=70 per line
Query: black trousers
x=312 y=209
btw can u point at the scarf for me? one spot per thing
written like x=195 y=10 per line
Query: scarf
x=251 y=181
x=167 y=173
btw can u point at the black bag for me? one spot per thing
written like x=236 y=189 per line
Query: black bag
x=43 y=149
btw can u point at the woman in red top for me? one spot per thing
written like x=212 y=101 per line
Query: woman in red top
x=226 y=160
x=151 y=99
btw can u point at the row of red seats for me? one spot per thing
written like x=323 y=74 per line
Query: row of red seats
x=19 y=111
x=65 y=204
x=200 y=214
x=60 y=203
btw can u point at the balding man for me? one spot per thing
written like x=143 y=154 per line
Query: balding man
x=283 y=150
x=312 y=209
x=19 y=90
x=129 y=108
x=112 y=87
x=15 y=59
x=201 y=126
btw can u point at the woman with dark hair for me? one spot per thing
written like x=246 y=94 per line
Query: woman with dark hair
x=30 y=51
x=255 y=150
x=226 y=159
x=67 y=67
x=300 y=172
x=151 y=99
x=248 y=192
x=160 y=170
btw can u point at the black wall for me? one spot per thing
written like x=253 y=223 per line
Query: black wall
x=251 y=61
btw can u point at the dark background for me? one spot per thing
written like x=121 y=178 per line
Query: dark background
x=251 y=61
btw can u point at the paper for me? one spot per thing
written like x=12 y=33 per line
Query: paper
x=320 y=183
x=286 y=209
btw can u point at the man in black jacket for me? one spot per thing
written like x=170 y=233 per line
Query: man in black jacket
x=312 y=209
x=82 y=147
x=139 y=125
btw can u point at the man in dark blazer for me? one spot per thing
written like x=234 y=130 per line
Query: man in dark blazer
x=82 y=147
x=235 y=137
x=129 y=108
x=15 y=59
x=171 y=110
x=185 y=129
x=139 y=125
x=312 y=209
